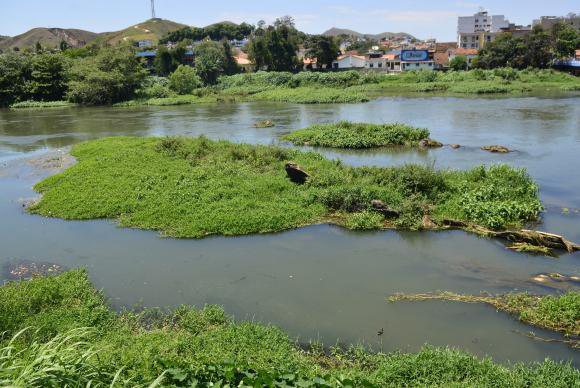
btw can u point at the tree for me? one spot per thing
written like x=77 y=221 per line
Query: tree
x=111 y=76
x=64 y=45
x=210 y=61
x=48 y=77
x=163 y=62
x=504 y=51
x=566 y=40
x=324 y=48
x=458 y=63
x=14 y=71
x=38 y=47
x=230 y=64
x=184 y=80
x=274 y=47
x=538 y=52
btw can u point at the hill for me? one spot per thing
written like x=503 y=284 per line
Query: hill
x=49 y=37
x=388 y=35
x=152 y=29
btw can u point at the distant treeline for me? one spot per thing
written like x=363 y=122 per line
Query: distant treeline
x=216 y=31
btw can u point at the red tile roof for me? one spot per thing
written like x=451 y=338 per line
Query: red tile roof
x=465 y=51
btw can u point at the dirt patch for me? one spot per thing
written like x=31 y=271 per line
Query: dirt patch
x=55 y=160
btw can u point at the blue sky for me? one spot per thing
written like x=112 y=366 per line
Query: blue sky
x=422 y=18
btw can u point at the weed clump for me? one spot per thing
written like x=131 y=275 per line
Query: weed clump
x=206 y=347
x=198 y=187
x=345 y=134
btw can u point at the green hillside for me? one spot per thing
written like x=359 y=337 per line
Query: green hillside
x=152 y=29
x=388 y=35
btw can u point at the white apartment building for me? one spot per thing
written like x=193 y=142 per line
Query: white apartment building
x=475 y=31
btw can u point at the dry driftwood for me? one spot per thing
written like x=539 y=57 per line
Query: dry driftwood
x=532 y=237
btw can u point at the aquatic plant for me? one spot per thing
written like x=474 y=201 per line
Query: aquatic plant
x=197 y=187
x=346 y=134
x=41 y=104
x=205 y=347
x=554 y=312
x=310 y=95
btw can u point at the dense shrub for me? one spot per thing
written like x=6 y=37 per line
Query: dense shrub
x=154 y=87
x=111 y=76
x=184 y=80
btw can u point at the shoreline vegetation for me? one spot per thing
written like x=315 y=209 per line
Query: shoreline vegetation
x=357 y=87
x=560 y=313
x=195 y=187
x=346 y=134
x=59 y=330
x=347 y=87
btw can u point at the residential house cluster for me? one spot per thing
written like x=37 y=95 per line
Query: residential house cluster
x=392 y=61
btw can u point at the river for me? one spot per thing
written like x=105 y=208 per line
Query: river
x=320 y=282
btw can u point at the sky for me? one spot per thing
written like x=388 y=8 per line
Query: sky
x=421 y=18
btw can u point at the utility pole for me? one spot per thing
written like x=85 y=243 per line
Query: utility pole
x=152 y=9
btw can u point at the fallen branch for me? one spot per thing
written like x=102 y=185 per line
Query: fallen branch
x=524 y=236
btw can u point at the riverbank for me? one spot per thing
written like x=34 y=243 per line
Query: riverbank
x=62 y=331
x=357 y=87
x=192 y=188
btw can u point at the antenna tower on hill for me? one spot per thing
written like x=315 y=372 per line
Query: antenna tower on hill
x=153 y=9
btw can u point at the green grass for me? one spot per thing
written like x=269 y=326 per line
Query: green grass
x=170 y=101
x=310 y=95
x=41 y=104
x=345 y=134
x=554 y=312
x=190 y=346
x=187 y=187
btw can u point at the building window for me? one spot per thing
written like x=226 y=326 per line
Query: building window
x=372 y=65
x=416 y=65
x=380 y=64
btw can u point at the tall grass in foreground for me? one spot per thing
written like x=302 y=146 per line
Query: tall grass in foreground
x=204 y=347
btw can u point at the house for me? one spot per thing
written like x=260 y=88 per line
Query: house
x=548 y=22
x=417 y=60
x=145 y=43
x=310 y=63
x=441 y=55
x=469 y=54
x=349 y=61
x=478 y=30
x=149 y=58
